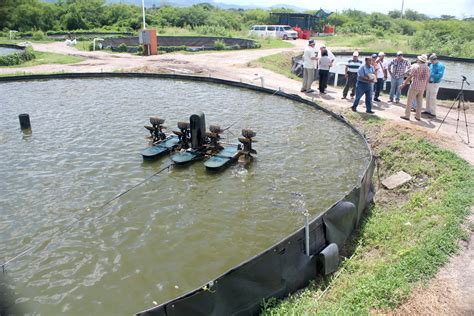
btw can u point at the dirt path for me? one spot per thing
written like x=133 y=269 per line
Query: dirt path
x=452 y=290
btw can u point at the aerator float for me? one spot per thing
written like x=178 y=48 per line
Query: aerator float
x=192 y=142
x=161 y=143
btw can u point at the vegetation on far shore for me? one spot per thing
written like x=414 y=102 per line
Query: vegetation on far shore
x=405 y=237
x=414 y=32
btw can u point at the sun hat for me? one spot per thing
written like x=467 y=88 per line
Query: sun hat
x=399 y=53
x=422 y=58
x=356 y=53
x=433 y=56
x=381 y=54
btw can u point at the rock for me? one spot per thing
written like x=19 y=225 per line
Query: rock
x=398 y=179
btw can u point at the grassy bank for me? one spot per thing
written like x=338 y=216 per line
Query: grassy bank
x=407 y=235
x=43 y=58
x=372 y=43
x=279 y=63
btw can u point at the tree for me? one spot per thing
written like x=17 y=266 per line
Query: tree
x=414 y=15
x=395 y=14
x=447 y=17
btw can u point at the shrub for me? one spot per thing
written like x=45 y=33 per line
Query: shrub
x=235 y=46
x=169 y=49
x=219 y=44
x=17 y=58
x=38 y=36
x=122 y=48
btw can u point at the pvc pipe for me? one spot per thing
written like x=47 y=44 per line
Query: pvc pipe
x=143 y=14
x=306 y=231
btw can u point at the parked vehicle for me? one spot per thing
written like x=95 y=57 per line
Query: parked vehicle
x=277 y=31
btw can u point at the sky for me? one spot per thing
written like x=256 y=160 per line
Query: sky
x=458 y=8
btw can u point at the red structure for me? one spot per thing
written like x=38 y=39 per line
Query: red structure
x=149 y=41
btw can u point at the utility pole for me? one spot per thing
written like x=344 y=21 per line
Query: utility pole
x=143 y=14
x=401 y=12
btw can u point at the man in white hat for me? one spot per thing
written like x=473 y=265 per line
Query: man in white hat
x=309 y=66
x=324 y=48
x=397 y=69
x=436 y=74
x=351 y=74
x=365 y=81
x=419 y=76
x=381 y=72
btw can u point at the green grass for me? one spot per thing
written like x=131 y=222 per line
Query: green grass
x=83 y=45
x=372 y=43
x=404 y=239
x=279 y=63
x=267 y=43
x=43 y=58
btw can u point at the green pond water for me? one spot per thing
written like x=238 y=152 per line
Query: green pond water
x=179 y=230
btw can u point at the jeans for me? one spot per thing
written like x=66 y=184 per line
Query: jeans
x=350 y=83
x=361 y=89
x=395 y=88
x=323 y=80
x=378 y=87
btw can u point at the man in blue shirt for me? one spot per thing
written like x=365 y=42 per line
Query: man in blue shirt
x=436 y=74
x=365 y=80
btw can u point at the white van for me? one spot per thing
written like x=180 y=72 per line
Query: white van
x=277 y=31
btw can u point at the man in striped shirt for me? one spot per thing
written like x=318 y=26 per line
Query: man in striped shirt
x=419 y=76
x=397 y=69
x=351 y=74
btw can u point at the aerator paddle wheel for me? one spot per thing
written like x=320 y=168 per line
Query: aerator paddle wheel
x=247 y=140
x=213 y=139
x=156 y=130
x=184 y=135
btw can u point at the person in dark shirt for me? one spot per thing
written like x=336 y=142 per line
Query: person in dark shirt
x=351 y=74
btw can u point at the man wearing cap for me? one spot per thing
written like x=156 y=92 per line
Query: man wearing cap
x=436 y=74
x=365 y=79
x=397 y=69
x=323 y=48
x=309 y=59
x=419 y=76
x=351 y=74
x=381 y=72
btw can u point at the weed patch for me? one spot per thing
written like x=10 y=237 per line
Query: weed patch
x=405 y=237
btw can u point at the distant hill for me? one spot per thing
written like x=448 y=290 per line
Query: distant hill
x=188 y=3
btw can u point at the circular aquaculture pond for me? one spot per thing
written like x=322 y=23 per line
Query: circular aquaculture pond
x=180 y=228
x=9 y=50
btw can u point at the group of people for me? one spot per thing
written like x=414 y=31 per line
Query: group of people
x=322 y=60
x=368 y=78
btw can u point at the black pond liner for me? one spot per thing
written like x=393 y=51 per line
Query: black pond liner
x=281 y=269
x=204 y=42
x=17 y=47
x=443 y=93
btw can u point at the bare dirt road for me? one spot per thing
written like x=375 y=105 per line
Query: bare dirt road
x=452 y=291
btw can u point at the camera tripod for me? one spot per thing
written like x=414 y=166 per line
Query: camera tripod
x=460 y=102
